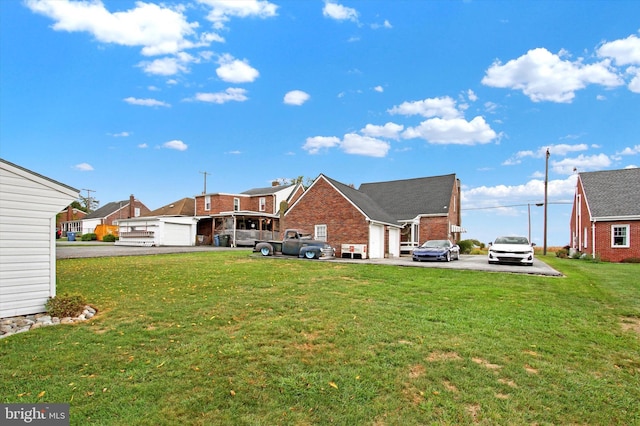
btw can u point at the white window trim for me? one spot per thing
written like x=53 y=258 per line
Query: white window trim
x=627 y=236
x=236 y=204
x=262 y=203
x=207 y=203
x=317 y=233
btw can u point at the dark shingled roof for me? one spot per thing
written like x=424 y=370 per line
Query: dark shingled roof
x=612 y=193
x=183 y=207
x=108 y=209
x=266 y=191
x=369 y=207
x=406 y=199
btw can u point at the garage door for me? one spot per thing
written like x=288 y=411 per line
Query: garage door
x=177 y=235
x=394 y=242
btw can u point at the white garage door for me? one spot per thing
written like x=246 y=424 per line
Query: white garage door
x=177 y=235
x=376 y=241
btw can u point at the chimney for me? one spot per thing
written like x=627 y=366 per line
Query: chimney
x=132 y=209
x=69 y=213
x=275 y=183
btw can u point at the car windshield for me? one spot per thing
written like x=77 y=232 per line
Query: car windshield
x=512 y=240
x=436 y=244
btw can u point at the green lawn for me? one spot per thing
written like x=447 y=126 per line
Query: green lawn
x=232 y=339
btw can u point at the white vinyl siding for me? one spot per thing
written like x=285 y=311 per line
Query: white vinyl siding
x=28 y=207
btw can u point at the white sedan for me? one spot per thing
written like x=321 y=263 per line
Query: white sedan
x=516 y=250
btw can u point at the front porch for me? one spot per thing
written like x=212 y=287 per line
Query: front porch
x=237 y=229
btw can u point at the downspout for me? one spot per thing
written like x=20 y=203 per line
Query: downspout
x=593 y=239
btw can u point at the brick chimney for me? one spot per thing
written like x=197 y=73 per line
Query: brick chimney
x=275 y=183
x=132 y=206
x=69 y=213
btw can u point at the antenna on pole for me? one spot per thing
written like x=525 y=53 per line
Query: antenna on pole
x=88 y=199
x=546 y=186
x=205 y=181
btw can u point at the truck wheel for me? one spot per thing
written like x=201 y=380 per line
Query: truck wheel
x=310 y=254
x=265 y=249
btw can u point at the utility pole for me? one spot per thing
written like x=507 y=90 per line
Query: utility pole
x=546 y=186
x=205 y=181
x=88 y=199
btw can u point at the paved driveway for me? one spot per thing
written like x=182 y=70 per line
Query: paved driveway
x=80 y=249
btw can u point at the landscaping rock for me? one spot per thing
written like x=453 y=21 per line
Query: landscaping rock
x=21 y=324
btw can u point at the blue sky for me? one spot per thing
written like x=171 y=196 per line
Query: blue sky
x=124 y=97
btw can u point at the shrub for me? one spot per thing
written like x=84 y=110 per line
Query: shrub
x=562 y=253
x=631 y=260
x=65 y=306
x=465 y=246
x=89 y=237
x=109 y=238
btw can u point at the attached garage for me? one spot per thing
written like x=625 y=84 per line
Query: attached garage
x=376 y=241
x=29 y=203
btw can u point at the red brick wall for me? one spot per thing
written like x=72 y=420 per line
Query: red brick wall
x=617 y=254
x=323 y=205
x=125 y=212
x=434 y=228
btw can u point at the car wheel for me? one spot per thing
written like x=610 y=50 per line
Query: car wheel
x=265 y=251
x=310 y=254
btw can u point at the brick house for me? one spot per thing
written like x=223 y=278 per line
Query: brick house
x=246 y=217
x=385 y=217
x=605 y=218
x=110 y=213
x=70 y=220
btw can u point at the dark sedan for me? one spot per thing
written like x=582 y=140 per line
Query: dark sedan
x=443 y=250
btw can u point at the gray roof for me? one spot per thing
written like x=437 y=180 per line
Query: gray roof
x=266 y=191
x=108 y=209
x=612 y=193
x=406 y=199
x=369 y=207
x=39 y=175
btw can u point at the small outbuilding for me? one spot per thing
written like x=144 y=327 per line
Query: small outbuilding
x=29 y=203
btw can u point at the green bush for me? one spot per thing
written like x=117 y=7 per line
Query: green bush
x=89 y=237
x=65 y=306
x=562 y=253
x=109 y=238
x=465 y=246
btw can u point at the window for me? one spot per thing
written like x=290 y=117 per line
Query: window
x=262 y=204
x=321 y=232
x=136 y=212
x=620 y=236
x=236 y=204
x=207 y=202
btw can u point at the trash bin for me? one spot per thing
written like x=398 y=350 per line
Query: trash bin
x=224 y=240
x=71 y=236
x=216 y=240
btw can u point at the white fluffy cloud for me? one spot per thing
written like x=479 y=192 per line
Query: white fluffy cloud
x=314 y=145
x=178 y=145
x=554 y=150
x=83 y=167
x=223 y=10
x=231 y=94
x=339 y=12
x=388 y=131
x=157 y=29
x=145 y=102
x=452 y=131
x=444 y=107
x=234 y=70
x=352 y=143
x=296 y=97
x=544 y=76
x=581 y=163
x=623 y=52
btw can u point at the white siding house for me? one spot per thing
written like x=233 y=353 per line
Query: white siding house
x=29 y=203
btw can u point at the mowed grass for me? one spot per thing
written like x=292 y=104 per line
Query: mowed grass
x=228 y=338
